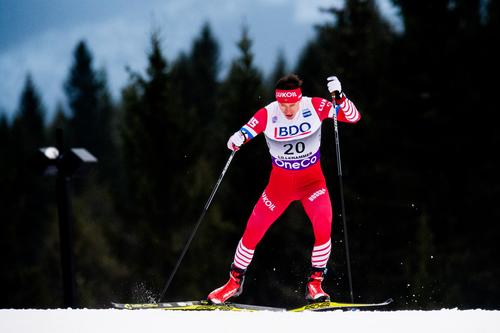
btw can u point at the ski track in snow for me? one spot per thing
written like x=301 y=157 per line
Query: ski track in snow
x=123 y=321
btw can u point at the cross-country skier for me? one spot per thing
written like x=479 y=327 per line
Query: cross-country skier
x=292 y=127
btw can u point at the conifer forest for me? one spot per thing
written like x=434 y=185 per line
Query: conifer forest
x=420 y=170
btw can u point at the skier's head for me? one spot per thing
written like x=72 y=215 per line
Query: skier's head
x=288 y=94
x=288 y=89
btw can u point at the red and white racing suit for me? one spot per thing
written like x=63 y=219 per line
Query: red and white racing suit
x=296 y=174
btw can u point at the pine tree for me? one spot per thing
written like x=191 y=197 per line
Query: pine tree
x=356 y=45
x=205 y=64
x=91 y=111
x=280 y=70
x=431 y=67
x=90 y=125
x=423 y=282
x=6 y=169
x=82 y=90
x=29 y=122
x=242 y=94
x=196 y=77
x=27 y=197
x=59 y=120
x=154 y=154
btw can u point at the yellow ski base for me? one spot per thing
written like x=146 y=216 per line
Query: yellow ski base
x=325 y=306
x=206 y=306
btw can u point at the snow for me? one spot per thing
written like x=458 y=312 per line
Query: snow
x=110 y=320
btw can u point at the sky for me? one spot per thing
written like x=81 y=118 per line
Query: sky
x=38 y=36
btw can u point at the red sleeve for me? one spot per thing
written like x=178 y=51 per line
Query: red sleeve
x=346 y=110
x=322 y=107
x=256 y=125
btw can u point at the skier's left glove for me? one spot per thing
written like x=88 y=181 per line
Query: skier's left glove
x=236 y=141
x=334 y=87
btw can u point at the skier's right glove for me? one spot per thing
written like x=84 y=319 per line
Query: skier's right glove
x=236 y=141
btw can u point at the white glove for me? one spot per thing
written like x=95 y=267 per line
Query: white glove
x=334 y=85
x=236 y=140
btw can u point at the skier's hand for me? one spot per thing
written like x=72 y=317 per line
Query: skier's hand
x=334 y=86
x=236 y=140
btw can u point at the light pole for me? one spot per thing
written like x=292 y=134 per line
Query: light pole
x=56 y=161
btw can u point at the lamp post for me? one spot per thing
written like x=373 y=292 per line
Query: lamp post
x=64 y=164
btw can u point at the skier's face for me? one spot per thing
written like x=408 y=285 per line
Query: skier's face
x=289 y=109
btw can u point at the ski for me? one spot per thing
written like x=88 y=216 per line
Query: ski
x=207 y=306
x=330 y=306
x=195 y=306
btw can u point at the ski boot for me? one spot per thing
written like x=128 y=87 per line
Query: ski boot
x=314 y=292
x=233 y=288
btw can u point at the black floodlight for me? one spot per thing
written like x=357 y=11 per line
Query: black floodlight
x=46 y=160
x=64 y=164
x=76 y=162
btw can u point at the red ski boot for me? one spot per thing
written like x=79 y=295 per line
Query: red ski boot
x=233 y=288
x=314 y=291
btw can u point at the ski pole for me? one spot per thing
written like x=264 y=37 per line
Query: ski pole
x=341 y=185
x=209 y=201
